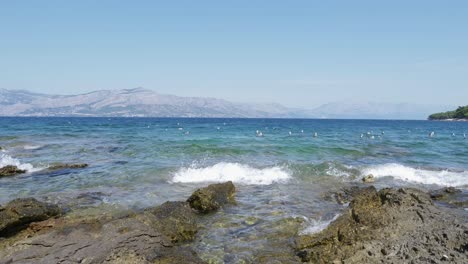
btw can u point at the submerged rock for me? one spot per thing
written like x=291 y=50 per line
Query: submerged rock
x=389 y=226
x=61 y=166
x=443 y=193
x=10 y=170
x=368 y=178
x=213 y=197
x=451 y=196
x=17 y=214
x=342 y=196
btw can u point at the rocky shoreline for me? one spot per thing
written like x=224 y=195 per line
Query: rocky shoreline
x=389 y=226
x=379 y=226
x=35 y=232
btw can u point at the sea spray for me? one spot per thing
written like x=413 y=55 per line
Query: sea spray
x=6 y=160
x=314 y=226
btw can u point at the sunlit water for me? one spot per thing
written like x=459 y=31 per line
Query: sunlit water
x=141 y=162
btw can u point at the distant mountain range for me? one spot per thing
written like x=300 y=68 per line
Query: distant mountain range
x=140 y=102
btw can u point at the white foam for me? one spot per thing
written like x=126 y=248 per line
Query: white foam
x=235 y=172
x=31 y=147
x=6 y=160
x=405 y=173
x=315 y=226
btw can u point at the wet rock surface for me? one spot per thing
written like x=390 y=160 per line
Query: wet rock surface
x=10 y=170
x=343 y=195
x=213 y=197
x=62 y=166
x=389 y=226
x=17 y=214
x=368 y=178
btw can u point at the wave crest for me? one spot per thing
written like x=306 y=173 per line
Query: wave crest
x=6 y=160
x=417 y=175
x=235 y=172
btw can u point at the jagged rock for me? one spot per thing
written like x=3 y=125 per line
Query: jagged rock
x=61 y=166
x=343 y=196
x=368 y=178
x=176 y=220
x=10 y=170
x=389 y=226
x=213 y=197
x=18 y=213
x=152 y=236
x=441 y=194
x=148 y=237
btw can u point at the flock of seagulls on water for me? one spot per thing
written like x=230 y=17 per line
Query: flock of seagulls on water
x=368 y=134
x=432 y=134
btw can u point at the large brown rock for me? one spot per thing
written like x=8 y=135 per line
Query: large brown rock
x=10 y=170
x=213 y=197
x=389 y=226
x=148 y=237
x=18 y=213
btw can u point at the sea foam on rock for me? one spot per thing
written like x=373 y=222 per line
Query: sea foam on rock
x=388 y=226
x=6 y=160
x=10 y=170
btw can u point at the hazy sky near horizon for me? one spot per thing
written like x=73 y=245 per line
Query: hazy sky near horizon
x=298 y=53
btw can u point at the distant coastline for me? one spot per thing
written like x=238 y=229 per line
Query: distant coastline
x=460 y=114
x=451 y=120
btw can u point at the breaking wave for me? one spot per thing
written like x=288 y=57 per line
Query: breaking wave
x=235 y=172
x=6 y=160
x=417 y=175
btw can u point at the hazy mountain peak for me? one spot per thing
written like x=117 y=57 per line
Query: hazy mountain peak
x=137 y=101
x=140 y=101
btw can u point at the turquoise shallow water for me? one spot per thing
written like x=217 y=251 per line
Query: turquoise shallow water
x=140 y=162
x=130 y=154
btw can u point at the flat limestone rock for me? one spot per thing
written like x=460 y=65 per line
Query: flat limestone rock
x=389 y=226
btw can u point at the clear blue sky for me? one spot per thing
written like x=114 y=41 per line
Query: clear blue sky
x=299 y=53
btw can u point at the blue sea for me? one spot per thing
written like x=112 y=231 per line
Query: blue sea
x=282 y=168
